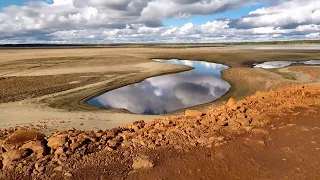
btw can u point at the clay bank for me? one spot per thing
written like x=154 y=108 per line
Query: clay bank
x=164 y=94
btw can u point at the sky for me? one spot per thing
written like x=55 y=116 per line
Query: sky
x=157 y=21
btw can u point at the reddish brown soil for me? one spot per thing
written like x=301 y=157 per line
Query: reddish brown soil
x=272 y=135
x=290 y=150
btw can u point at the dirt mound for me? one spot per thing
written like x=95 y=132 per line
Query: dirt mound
x=60 y=154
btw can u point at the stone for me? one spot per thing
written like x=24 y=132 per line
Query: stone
x=231 y=102
x=241 y=116
x=106 y=137
x=56 y=141
x=53 y=175
x=126 y=143
x=193 y=113
x=37 y=147
x=60 y=151
x=126 y=153
x=58 y=169
x=21 y=136
x=1 y=142
x=202 y=140
x=68 y=174
x=14 y=155
x=38 y=167
x=135 y=128
x=107 y=148
x=81 y=140
x=142 y=161
x=99 y=134
x=74 y=146
x=234 y=107
x=243 y=109
x=113 y=143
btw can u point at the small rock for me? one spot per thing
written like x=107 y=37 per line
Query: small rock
x=56 y=141
x=126 y=153
x=60 y=151
x=202 y=140
x=52 y=175
x=107 y=148
x=243 y=109
x=37 y=165
x=74 y=146
x=68 y=174
x=21 y=136
x=113 y=143
x=193 y=113
x=99 y=134
x=231 y=102
x=14 y=155
x=40 y=169
x=142 y=161
x=234 y=107
x=37 y=147
x=58 y=169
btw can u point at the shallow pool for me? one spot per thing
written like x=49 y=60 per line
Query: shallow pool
x=281 y=64
x=269 y=47
x=163 y=94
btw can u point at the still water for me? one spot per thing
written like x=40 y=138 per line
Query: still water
x=281 y=64
x=163 y=94
x=269 y=47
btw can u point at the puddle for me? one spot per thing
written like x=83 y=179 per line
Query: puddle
x=282 y=64
x=268 y=47
x=164 y=94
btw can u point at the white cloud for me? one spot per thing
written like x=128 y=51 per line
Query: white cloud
x=287 y=14
x=100 y=21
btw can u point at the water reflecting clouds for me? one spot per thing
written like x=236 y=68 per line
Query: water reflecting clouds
x=163 y=94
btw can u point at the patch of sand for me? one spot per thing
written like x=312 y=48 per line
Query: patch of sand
x=312 y=71
x=25 y=114
x=300 y=76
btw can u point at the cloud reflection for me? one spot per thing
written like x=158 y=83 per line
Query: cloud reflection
x=282 y=64
x=163 y=94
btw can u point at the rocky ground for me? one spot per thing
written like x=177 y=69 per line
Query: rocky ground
x=151 y=150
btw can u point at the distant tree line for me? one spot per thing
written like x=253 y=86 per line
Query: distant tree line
x=214 y=44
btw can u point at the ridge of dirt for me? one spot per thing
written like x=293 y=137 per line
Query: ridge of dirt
x=26 y=154
x=312 y=71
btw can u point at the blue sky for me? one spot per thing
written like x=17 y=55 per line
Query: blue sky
x=197 y=20
x=201 y=19
x=4 y=3
x=160 y=21
x=10 y=2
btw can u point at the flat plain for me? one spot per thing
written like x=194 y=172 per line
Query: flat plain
x=52 y=82
x=47 y=90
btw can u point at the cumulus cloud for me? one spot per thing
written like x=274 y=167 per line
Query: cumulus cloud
x=100 y=21
x=287 y=15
